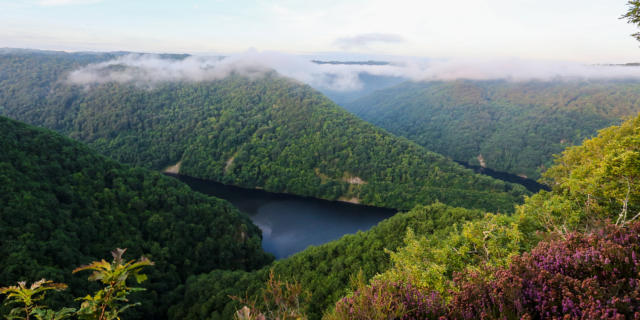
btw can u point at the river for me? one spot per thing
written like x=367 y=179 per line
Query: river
x=291 y=223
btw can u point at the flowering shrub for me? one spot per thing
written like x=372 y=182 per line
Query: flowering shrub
x=594 y=276
x=389 y=300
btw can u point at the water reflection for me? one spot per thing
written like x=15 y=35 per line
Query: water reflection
x=289 y=223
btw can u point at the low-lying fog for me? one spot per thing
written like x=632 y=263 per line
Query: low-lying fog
x=147 y=69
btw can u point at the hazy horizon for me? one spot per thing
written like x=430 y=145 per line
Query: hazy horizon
x=148 y=69
x=572 y=30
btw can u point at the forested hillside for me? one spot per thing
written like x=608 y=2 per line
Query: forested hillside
x=325 y=270
x=433 y=261
x=571 y=252
x=558 y=251
x=260 y=132
x=63 y=205
x=512 y=127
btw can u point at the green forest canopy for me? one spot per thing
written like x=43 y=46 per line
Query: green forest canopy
x=63 y=205
x=115 y=191
x=589 y=217
x=513 y=127
x=268 y=132
x=446 y=241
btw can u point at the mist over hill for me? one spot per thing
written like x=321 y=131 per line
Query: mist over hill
x=239 y=124
x=245 y=124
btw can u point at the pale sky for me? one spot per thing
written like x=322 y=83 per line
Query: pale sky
x=574 y=30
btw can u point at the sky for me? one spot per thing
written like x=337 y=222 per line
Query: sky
x=586 y=31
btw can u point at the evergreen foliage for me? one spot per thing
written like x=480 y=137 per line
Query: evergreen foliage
x=633 y=15
x=581 y=271
x=63 y=205
x=429 y=262
x=266 y=131
x=594 y=181
x=601 y=177
x=508 y=126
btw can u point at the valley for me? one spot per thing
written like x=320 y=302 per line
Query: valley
x=275 y=186
x=514 y=126
x=283 y=136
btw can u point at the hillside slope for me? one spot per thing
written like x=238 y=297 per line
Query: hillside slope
x=564 y=253
x=324 y=270
x=512 y=127
x=260 y=132
x=63 y=205
x=461 y=248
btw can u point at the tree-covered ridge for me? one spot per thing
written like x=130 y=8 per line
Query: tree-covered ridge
x=27 y=77
x=267 y=132
x=602 y=175
x=508 y=126
x=63 y=205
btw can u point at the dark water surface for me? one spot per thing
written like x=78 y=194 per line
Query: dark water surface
x=530 y=184
x=291 y=223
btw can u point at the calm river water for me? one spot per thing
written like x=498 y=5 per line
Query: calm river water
x=290 y=223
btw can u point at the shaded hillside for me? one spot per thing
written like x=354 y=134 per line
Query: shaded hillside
x=513 y=127
x=261 y=132
x=63 y=205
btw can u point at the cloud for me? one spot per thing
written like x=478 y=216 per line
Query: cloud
x=147 y=70
x=514 y=70
x=51 y=3
x=364 y=40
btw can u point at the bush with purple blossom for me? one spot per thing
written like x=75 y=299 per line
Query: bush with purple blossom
x=585 y=276
x=389 y=300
